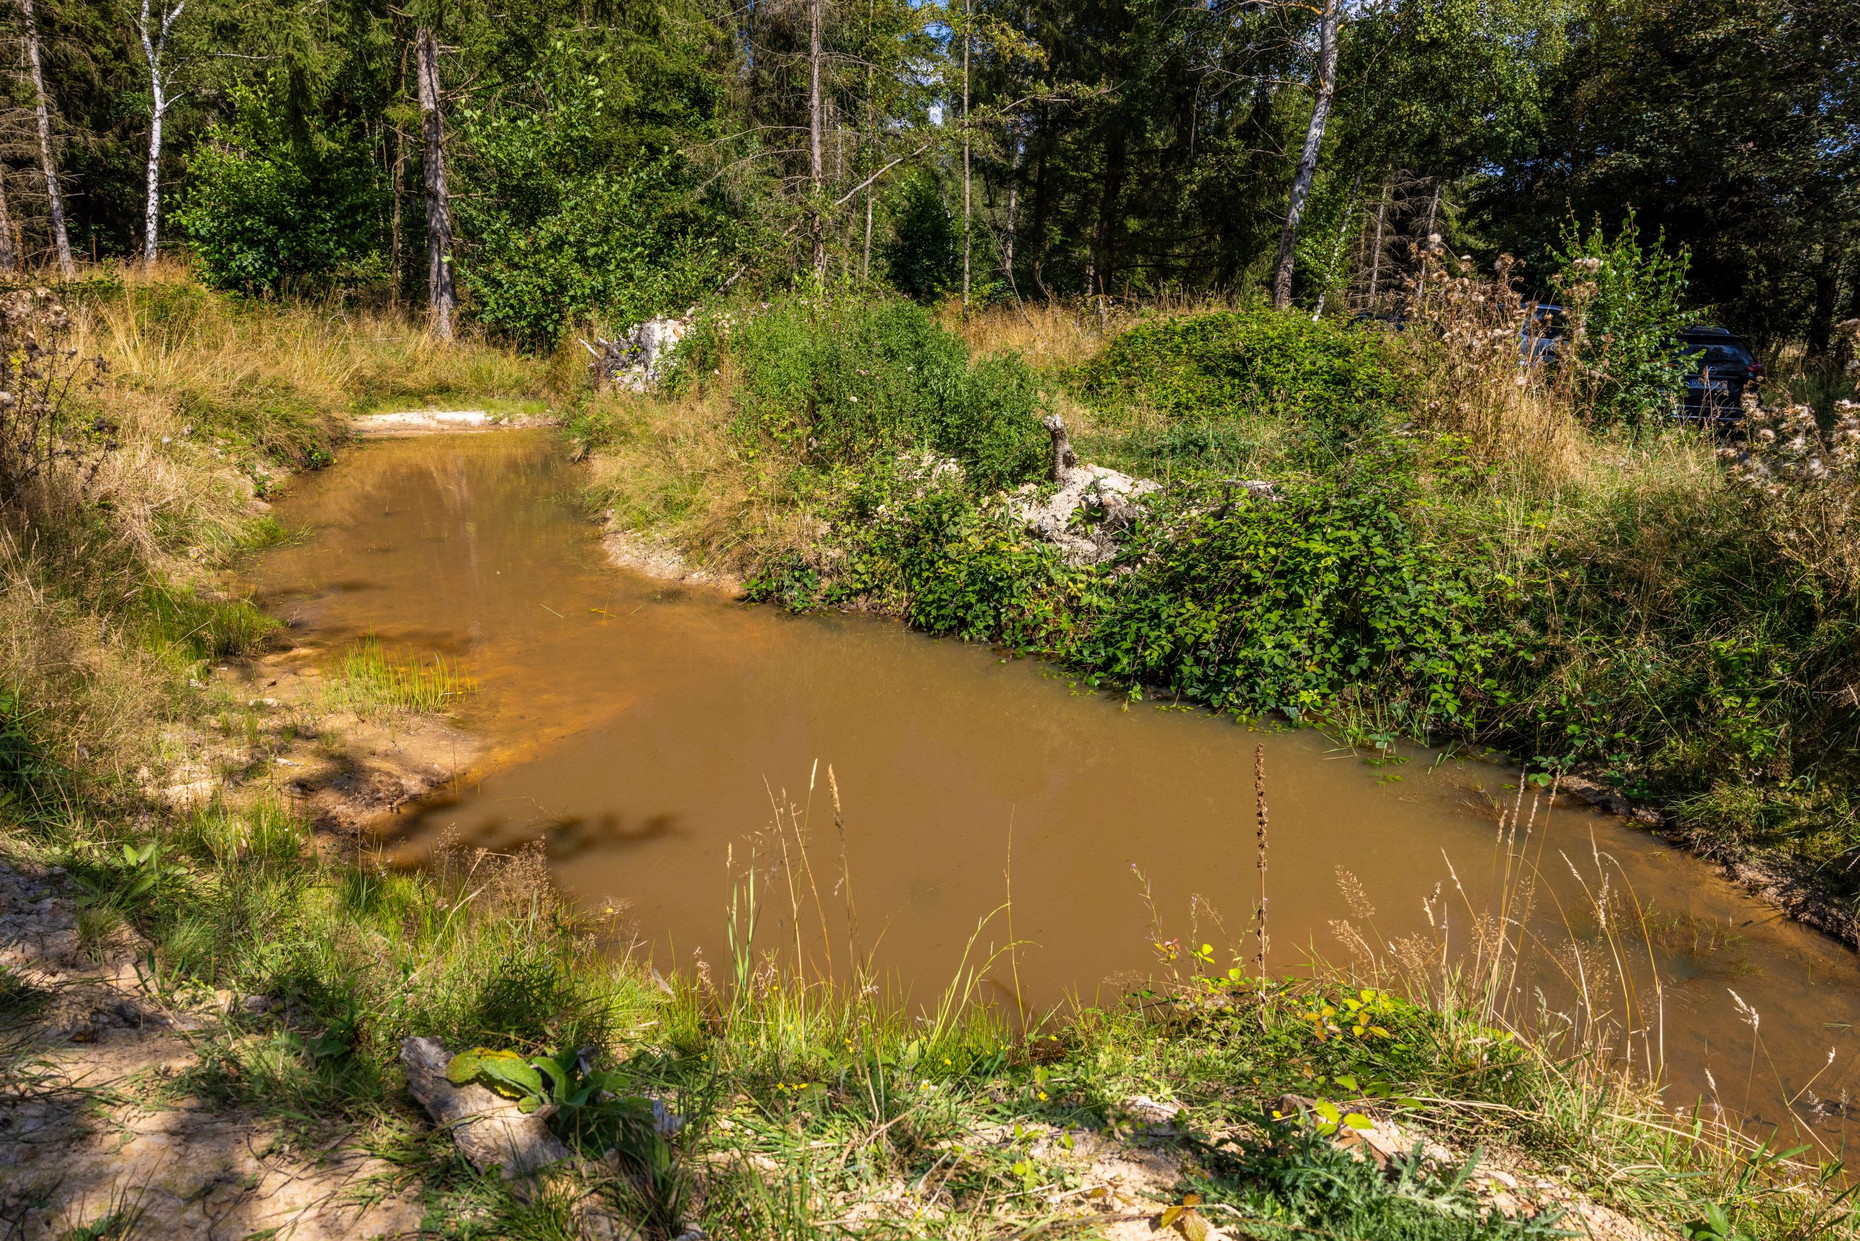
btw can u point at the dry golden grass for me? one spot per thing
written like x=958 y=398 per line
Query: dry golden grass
x=669 y=469
x=1053 y=335
x=176 y=338
x=95 y=704
x=198 y=388
x=1518 y=420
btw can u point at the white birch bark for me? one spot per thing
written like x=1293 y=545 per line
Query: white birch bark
x=154 y=48
x=442 y=295
x=1308 y=159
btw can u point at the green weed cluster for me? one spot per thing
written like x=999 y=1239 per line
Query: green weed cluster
x=1236 y=364
x=832 y=382
x=376 y=686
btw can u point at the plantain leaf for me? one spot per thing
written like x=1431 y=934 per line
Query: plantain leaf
x=503 y=1071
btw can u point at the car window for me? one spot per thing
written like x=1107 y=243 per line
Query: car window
x=1717 y=353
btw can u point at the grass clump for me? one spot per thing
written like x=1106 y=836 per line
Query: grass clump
x=375 y=686
x=828 y=382
x=204 y=628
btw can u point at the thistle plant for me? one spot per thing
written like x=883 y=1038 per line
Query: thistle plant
x=37 y=370
x=1806 y=485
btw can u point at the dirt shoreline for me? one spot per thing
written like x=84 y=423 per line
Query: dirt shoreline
x=660 y=559
x=411 y=422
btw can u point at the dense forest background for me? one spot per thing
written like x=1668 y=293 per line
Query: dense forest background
x=607 y=159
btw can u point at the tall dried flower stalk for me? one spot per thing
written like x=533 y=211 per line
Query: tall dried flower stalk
x=1259 y=814
x=1513 y=405
x=1805 y=485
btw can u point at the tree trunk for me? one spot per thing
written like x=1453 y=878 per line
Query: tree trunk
x=152 y=50
x=1820 y=336
x=399 y=175
x=1308 y=160
x=442 y=297
x=59 y=238
x=152 y=215
x=9 y=252
x=400 y=193
x=1102 y=274
x=1427 y=248
x=1041 y=209
x=815 y=223
x=871 y=128
x=1013 y=207
x=1375 y=253
x=967 y=246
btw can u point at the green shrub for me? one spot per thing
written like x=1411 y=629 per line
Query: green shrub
x=1625 y=313
x=1249 y=604
x=1673 y=647
x=571 y=215
x=1284 y=604
x=847 y=381
x=268 y=207
x=923 y=256
x=1235 y=363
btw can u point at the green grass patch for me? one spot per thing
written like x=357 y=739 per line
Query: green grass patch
x=839 y=381
x=181 y=620
x=373 y=685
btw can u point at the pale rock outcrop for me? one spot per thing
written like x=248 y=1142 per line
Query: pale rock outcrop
x=635 y=360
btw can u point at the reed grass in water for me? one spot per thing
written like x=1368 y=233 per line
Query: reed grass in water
x=375 y=686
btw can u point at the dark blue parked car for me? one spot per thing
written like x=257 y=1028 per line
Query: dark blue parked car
x=1719 y=366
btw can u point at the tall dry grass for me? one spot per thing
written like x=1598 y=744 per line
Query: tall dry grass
x=175 y=337
x=1464 y=343
x=209 y=399
x=1054 y=335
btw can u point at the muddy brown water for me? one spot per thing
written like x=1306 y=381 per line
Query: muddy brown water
x=647 y=733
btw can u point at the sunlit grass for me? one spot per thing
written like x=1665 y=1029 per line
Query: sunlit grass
x=372 y=685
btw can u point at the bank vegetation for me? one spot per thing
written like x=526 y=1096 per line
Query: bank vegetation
x=1210 y=1099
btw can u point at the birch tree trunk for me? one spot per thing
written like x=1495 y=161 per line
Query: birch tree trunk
x=1308 y=160
x=871 y=127
x=60 y=240
x=153 y=50
x=1375 y=254
x=813 y=142
x=441 y=295
x=399 y=175
x=967 y=11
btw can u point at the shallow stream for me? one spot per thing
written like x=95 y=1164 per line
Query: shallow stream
x=648 y=733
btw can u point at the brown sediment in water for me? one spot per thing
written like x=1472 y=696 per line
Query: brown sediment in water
x=646 y=733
